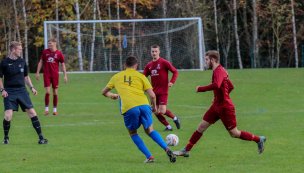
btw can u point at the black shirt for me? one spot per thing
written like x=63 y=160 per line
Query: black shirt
x=13 y=72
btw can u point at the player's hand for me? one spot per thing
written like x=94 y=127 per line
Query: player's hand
x=65 y=79
x=34 y=91
x=170 y=84
x=4 y=94
x=154 y=108
x=114 y=96
x=37 y=76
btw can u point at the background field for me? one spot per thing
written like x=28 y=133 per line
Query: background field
x=89 y=134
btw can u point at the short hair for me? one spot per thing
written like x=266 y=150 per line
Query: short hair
x=213 y=54
x=131 y=61
x=155 y=46
x=14 y=44
x=52 y=40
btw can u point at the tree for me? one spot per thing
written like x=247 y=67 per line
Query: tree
x=78 y=37
x=237 y=35
x=294 y=33
x=93 y=37
x=25 y=32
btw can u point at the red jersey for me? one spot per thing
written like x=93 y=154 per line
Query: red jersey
x=51 y=62
x=221 y=86
x=158 y=70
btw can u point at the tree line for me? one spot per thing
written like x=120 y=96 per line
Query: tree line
x=247 y=33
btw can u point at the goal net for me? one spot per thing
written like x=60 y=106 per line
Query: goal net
x=103 y=45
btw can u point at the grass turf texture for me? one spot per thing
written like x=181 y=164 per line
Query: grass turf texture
x=89 y=134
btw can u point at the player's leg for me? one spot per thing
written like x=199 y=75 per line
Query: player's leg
x=160 y=116
x=8 y=115
x=10 y=105
x=55 y=83
x=210 y=117
x=229 y=121
x=132 y=123
x=55 y=101
x=168 y=113
x=146 y=121
x=36 y=124
x=47 y=86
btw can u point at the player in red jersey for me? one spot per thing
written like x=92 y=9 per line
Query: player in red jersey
x=222 y=107
x=158 y=69
x=50 y=60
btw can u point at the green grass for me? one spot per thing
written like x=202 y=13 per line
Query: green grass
x=89 y=134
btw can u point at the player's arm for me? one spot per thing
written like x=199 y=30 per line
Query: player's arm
x=174 y=72
x=29 y=83
x=152 y=99
x=64 y=72
x=146 y=71
x=3 y=92
x=216 y=84
x=39 y=66
x=107 y=93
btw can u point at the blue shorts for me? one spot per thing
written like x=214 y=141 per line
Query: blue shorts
x=16 y=97
x=138 y=115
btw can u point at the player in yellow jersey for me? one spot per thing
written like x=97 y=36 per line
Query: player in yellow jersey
x=131 y=87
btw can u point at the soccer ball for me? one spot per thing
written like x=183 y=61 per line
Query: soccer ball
x=172 y=140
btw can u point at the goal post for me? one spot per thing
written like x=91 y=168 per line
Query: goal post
x=103 y=45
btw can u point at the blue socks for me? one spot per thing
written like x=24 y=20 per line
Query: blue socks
x=141 y=145
x=158 y=139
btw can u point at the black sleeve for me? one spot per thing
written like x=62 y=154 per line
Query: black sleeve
x=1 y=72
x=25 y=69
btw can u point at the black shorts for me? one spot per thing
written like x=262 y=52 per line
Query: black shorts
x=16 y=97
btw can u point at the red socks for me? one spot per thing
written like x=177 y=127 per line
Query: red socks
x=169 y=114
x=162 y=119
x=193 y=140
x=55 y=100
x=249 y=137
x=47 y=99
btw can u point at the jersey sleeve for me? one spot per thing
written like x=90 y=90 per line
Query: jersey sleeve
x=1 y=69
x=218 y=77
x=42 y=57
x=111 y=83
x=146 y=83
x=61 y=59
x=173 y=70
x=146 y=71
x=25 y=69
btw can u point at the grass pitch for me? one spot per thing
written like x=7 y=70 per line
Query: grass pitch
x=89 y=134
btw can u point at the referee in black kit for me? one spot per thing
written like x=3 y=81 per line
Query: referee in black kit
x=14 y=73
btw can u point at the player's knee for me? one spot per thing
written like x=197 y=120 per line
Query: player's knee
x=8 y=115
x=234 y=134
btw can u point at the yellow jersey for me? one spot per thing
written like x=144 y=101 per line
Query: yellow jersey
x=131 y=86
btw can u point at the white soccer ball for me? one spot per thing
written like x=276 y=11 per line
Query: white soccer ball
x=172 y=140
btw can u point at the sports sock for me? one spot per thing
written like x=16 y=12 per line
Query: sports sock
x=158 y=139
x=194 y=138
x=55 y=100
x=141 y=145
x=6 y=127
x=162 y=119
x=169 y=114
x=46 y=109
x=169 y=126
x=37 y=127
x=54 y=109
x=249 y=136
x=47 y=99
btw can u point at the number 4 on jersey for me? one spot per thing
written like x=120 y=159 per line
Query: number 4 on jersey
x=128 y=81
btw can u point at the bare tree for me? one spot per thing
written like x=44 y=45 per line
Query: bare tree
x=255 y=35
x=237 y=35
x=57 y=26
x=119 y=36
x=215 y=25
x=102 y=39
x=16 y=21
x=166 y=29
x=93 y=37
x=133 y=27
x=294 y=35
x=25 y=32
x=80 y=61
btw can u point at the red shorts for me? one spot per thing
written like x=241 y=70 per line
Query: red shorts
x=48 y=80
x=226 y=114
x=161 y=99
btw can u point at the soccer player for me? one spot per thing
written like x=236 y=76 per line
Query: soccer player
x=131 y=87
x=158 y=69
x=14 y=71
x=50 y=60
x=222 y=107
